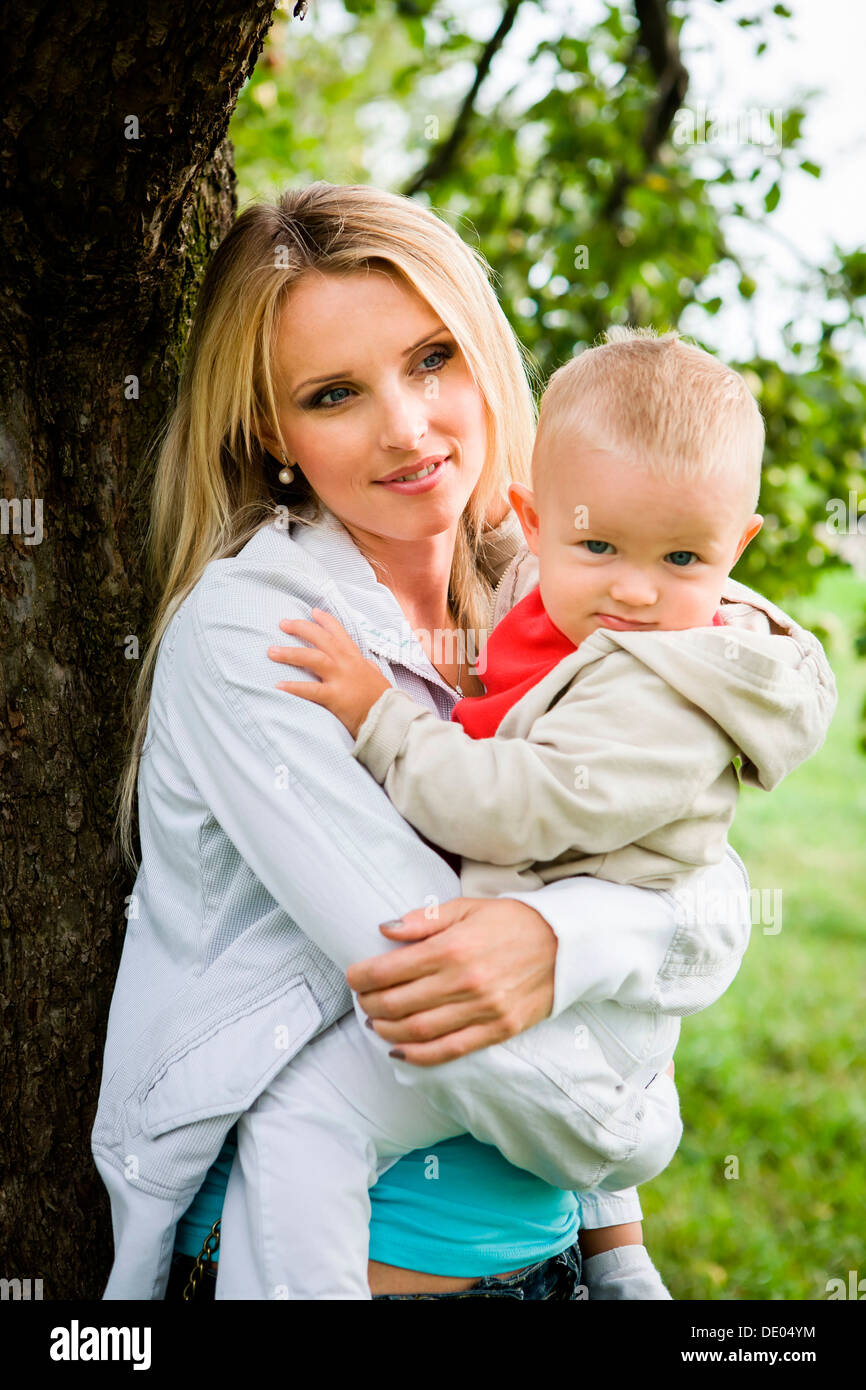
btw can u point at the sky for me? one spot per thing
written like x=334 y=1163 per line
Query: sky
x=822 y=50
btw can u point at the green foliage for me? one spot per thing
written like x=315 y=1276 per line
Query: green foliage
x=552 y=180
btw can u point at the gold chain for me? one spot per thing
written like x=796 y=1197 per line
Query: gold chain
x=205 y=1257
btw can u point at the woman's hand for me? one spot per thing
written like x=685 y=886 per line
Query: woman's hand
x=348 y=685
x=479 y=972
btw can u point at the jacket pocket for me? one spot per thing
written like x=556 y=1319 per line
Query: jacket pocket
x=223 y=1070
x=636 y=1042
x=605 y=1112
x=609 y=1128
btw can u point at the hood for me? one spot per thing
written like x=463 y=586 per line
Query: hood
x=765 y=680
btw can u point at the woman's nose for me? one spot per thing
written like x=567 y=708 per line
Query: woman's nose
x=403 y=421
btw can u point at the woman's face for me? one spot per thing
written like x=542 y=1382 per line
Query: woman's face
x=371 y=386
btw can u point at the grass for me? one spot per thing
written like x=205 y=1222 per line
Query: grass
x=771 y=1078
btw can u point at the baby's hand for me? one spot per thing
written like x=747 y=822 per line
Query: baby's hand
x=348 y=685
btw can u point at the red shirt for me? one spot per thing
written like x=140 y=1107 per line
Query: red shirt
x=519 y=652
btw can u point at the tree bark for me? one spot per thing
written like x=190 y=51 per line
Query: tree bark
x=120 y=184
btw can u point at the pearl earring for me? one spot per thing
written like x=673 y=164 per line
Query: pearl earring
x=285 y=474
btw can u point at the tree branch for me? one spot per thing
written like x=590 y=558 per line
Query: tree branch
x=443 y=154
x=659 y=40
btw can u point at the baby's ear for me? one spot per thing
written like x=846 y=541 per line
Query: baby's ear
x=753 y=526
x=522 y=500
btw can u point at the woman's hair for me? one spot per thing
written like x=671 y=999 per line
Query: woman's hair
x=215 y=483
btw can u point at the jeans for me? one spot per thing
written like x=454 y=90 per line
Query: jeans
x=556 y=1278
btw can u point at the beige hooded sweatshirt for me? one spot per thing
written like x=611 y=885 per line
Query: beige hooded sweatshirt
x=620 y=761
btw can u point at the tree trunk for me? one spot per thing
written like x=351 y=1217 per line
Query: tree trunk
x=114 y=156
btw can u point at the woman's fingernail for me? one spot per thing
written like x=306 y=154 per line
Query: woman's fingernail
x=394 y=922
x=398 y=1053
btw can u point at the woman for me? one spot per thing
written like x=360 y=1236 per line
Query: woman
x=352 y=336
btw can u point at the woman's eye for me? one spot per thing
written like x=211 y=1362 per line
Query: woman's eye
x=321 y=398
x=601 y=543
x=682 y=558
x=443 y=352
x=427 y=365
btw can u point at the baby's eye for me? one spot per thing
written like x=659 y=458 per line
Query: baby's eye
x=601 y=543
x=682 y=557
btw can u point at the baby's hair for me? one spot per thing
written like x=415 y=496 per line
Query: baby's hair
x=671 y=406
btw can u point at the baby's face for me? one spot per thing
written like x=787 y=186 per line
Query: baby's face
x=619 y=548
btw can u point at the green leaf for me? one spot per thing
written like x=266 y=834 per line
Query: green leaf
x=416 y=32
x=771 y=198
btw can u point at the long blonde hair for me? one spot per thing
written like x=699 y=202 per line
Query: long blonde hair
x=215 y=483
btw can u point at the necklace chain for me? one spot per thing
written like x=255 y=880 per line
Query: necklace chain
x=457 y=685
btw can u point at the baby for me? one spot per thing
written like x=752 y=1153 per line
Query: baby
x=624 y=687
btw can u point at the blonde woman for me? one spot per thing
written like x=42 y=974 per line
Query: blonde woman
x=352 y=408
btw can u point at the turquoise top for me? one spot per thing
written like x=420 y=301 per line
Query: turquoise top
x=456 y=1208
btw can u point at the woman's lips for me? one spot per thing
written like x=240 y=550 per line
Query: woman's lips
x=619 y=624
x=420 y=484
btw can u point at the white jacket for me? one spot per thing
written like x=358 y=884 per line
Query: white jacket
x=269 y=856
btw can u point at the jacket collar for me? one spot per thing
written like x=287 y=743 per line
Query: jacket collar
x=385 y=627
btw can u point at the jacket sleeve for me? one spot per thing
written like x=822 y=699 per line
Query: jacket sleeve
x=600 y=1208
x=619 y=756
x=277 y=773
x=648 y=948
